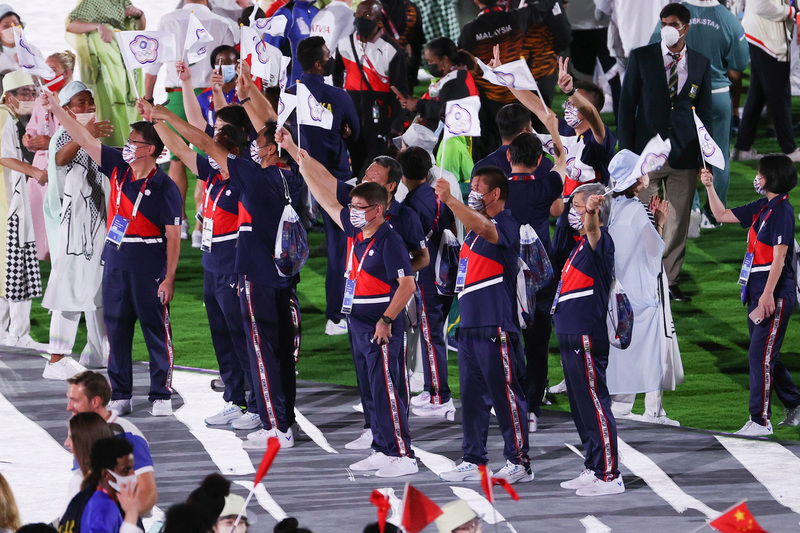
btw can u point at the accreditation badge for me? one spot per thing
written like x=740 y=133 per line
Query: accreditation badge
x=119 y=225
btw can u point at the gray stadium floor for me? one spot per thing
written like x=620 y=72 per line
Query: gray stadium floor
x=675 y=477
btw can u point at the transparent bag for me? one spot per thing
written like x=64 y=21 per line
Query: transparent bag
x=620 y=317
x=291 y=242
x=532 y=252
x=447 y=264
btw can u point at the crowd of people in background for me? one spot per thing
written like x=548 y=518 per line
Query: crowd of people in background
x=533 y=225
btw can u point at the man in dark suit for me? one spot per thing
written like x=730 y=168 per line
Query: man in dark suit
x=663 y=82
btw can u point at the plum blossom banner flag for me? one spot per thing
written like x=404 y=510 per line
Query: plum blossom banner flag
x=29 y=58
x=142 y=48
x=310 y=112
x=514 y=75
x=712 y=153
x=197 y=41
x=653 y=157
x=461 y=118
x=286 y=104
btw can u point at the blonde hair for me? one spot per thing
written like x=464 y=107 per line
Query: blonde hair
x=66 y=59
x=9 y=515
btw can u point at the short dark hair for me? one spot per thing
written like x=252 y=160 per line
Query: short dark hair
x=219 y=49
x=598 y=98
x=94 y=385
x=231 y=138
x=416 y=163
x=372 y=193
x=779 y=172
x=525 y=149
x=309 y=51
x=246 y=12
x=270 y=126
x=495 y=179
x=512 y=119
x=678 y=10
x=149 y=135
x=236 y=116
x=105 y=453
x=390 y=164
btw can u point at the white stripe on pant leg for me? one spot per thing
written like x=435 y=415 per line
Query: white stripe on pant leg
x=774 y=466
x=170 y=351
x=393 y=407
x=516 y=421
x=436 y=392
x=255 y=338
x=602 y=421
x=265 y=500
x=642 y=466
x=773 y=332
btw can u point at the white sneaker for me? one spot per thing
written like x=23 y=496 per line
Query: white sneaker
x=358 y=407
x=598 y=487
x=421 y=400
x=397 y=467
x=375 y=461
x=364 y=442
x=248 y=420
x=794 y=156
x=184 y=229
x=705 y=222
x=533 y=423
x=514 y=473
x=465 y=471
x=27 y=342
x=743 y=155
x=694 y=224
x=161 y=408
x=286 y=438
x=446 y=410
x=583 y=480
x=662 y=419
x=229 y=413
x=257 y=440
x=121 y=407
x=791 y=418
x=560 y=388
x=197 y=238
x=753 y=429
x=62 y=370
x=628 y=416
x=336 y=328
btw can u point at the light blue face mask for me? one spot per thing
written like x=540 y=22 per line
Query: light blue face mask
x=228 y=72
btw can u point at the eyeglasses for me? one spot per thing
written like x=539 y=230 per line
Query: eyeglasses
x=24 y=93
x=140 y=142
x=469 y=527
x=360 y=208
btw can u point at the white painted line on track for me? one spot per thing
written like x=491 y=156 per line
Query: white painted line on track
x=200 y=402
x=156 y=515
x=574 y=449
x=433 y=461
x=35 y=465
x=485 y=510
x=265 y=500
x=313 y=431
x=593 y=525
x=775 y=467
x=644 y=467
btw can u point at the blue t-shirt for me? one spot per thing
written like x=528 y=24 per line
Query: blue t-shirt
x=596 y=155
x=298 y=27
x=770 y=223
x=499 y=159
x=221 y=204
x=585 y=284
x=101 y=514
x=406 y=223
x=206 y=101
x=530 y=198
x=489 y=297
x=144 y=247
x=261 y=205
x=385 y=260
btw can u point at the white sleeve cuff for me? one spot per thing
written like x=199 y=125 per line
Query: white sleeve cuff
x=127 y=527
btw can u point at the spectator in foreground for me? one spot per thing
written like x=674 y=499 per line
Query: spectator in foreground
x=9 y=514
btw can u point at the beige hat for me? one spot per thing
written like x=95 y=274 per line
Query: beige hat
x=233 y=504
x=454 y=514
x=16 y=79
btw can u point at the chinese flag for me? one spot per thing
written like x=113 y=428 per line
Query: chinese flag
x=488 y=482
x=418 y=510
x=737 y=520
x=379 y=500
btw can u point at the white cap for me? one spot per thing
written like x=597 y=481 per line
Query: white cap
x=16 y=79
x=454 y=514
x=417 y=135
x=622 y=168
x=71 y=90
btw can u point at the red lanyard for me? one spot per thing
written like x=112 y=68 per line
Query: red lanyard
x=572 y=256
x=208 y=194
x=141 y=191
x=524 y=177
x=391 y=25
x=360 y=262
x=751 y=243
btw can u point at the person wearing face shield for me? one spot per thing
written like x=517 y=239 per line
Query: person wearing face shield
x=23 y=280
x=368 y=64
x=75 y=211
x=664 y=82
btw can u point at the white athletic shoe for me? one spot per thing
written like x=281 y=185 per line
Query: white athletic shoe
x=397 y=467
x=121 y=407
x=230 y=413
x=598 y=487
x=753 y=429
x=583 y=480
x=694 y=224
x=197 y=238
x=257 y=440
x=336 y=328
x=421 y=400
x=791 y=418
x=465 y=471
x=184 y=229
x=662 y=419
x=743 y=155
x=559 y=388
x=161 y=408
x=285 y=438
x=27 y=342
x=248 y=420
x=62 y=370
x=705 y=222
x=375 y=461
x=363 y=442
x=514 y=473
x=533 y=423
x=446 y=410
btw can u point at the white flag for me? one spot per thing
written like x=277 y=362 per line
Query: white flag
x=310 y=112
x=712 y=154
x=29 y=58
x=284 y=68
x=461 y=118
x=142 y=48
x=515 y=75
x=653 y=157
x=266 y=63
x=197 y=40
x=573 y=148
x=274 y=26
x=248 y=40
x=286 y=104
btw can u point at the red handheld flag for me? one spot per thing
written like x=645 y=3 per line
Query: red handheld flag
x=418 y=510
x=273 y=445
x=381 y=501
x=737 y=520
x=488 y=482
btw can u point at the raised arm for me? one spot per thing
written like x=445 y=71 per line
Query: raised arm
x=194 y=114
x=592 y=221
x=79 y=134
x=320 y=182
x=716 y=205
x=560 y=155
x=585 y=107
x=68 y=152
x=193 y=135
x=472 y=220
x=170 y=139
x=258 y=108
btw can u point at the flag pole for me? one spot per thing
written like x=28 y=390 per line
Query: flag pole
x=703 y=157
x=441 y=165
x=131 y=77
x=244 y=506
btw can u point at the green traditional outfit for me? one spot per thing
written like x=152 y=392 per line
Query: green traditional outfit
x=102 y=69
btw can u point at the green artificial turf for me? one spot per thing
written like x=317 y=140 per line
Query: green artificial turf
x=712 y=329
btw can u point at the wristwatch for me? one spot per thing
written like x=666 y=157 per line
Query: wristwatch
x=386 y=319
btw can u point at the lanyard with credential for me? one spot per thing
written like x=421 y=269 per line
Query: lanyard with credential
x=567 y=267
x=141 y=191
x=751 y=244
x=752 y=239
x=350 y=283
x=216 y=200
x=360 y=262
x=461 y=276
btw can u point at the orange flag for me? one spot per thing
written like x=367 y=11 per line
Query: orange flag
x=737 y=520
x=418 y=510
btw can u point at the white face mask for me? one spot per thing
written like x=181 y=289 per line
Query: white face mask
x=757 y=186
x=85 y=118
x=358 y=218
x=574 y=218
x=25 y=108
x=571 y=115
x=129 y=153
x=254 y=149
x=7 y=36
x=670 y=36
x=475 y=201
x=121 y=481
